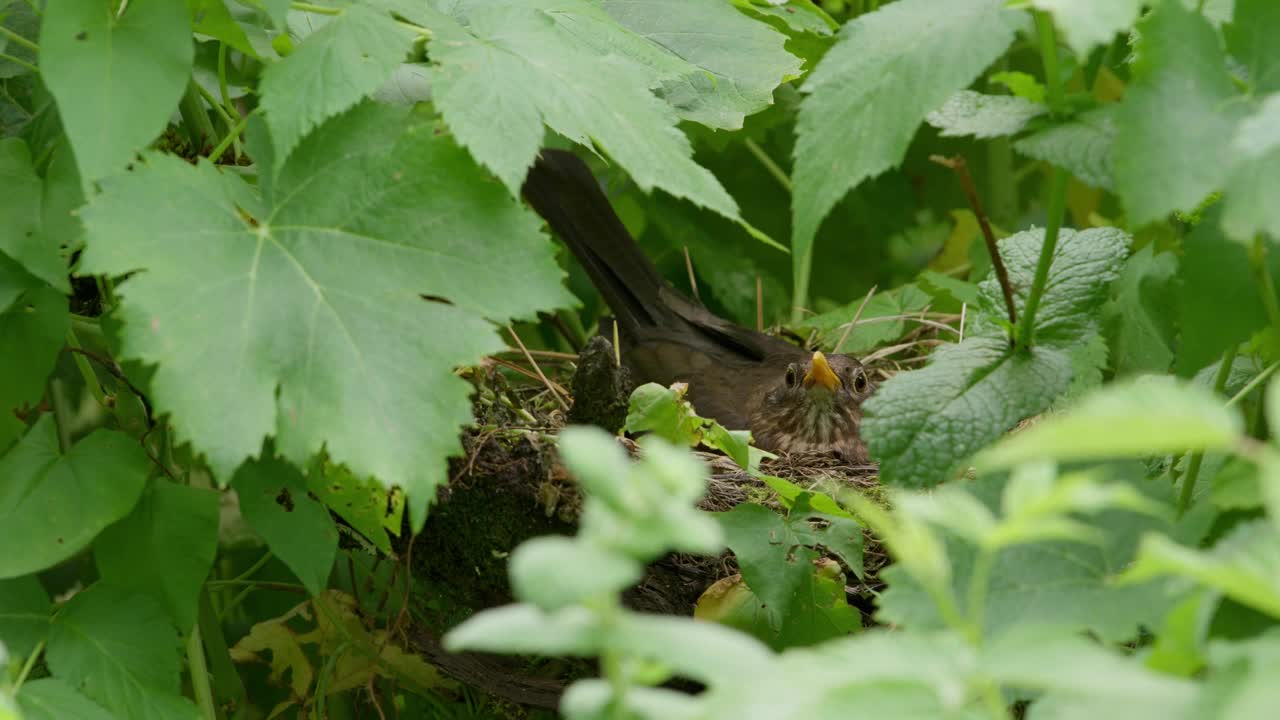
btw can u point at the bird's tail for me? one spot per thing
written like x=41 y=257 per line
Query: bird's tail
x=563 y=191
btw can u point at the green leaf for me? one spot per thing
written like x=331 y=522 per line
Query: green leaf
x=1140 y=319
x=797 y=16
x=116 y=78
x=558 y=572
x=32 y=331
x=1177 y=117
x=778 y=562
x=527 y=629
x=362 y=502
x=1212 y=276
x=517 y=67
x=52 y=505
x=53 y=699
x=1021 y=84
x=318 y=295
x=1251 y=40
x=1083 y=146
x=1149 y=416
x=121 y=650
x=665 y=413
x=24 y=20
x=874 y=327
x=1244 y=565
x=1089 y=23
x=20 y=234
x=1057 y=583
x=164 y=548
x=983 y=116
x=333 y=69
x=1249 y=207
x=296 y=527
x=731 y=63
x=889 y=69
x=921 y=424
x=24 y=614
x=211 y=17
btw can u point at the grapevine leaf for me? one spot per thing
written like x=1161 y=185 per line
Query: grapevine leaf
x=53 y=699
x=32 y=330
x=1251 y=40
x=1089 y=23
x=921 y=424
x=296 y=527
x=1250 y=205
x=1083 y=146
x=122 y=651
x=363 y=503
x=1177 y=118
x=24 y=614
x=333 y=68
x=888 y=70
x=515 y=67
x=20 y=234
x=116 y=77
x=1244 y=565
x=732 y=63
x=1147 y=416
x=983 y=116
x=315 y=291
x=778 y=561
x=53 y=505
x=164 y=548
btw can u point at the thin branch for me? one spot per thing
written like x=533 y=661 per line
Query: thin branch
x=961 y=169
x=849 y=328
x=768 y=164
x=693 y=280
x=559 y=400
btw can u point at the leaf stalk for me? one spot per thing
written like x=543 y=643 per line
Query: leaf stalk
x=1057 y=206
x=1193 y=466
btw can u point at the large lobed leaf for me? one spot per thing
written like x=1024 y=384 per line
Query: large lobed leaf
x=921 y=424
x=503 y=70
x=116 y=77
x=1088 y=23
x=1083 y=145
x=889 y=69
x=306 y=320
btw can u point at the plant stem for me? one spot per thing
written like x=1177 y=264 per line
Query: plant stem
x=19 y=61
x=200 y=674
x=961 y=169
x=226 y=681
x=18 y=39
x=1266 y=285
x=1253 y=384
x=1057 y=205
x=1049 y=55
x=86 y=370
x=768 y=164
x=232 y=136
x=28 y=666
x=194 y=117
x=976 y=598
x=316 y=9
x=1193 y=467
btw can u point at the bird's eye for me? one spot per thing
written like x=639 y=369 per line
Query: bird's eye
x=791 y=376
x=860 y=382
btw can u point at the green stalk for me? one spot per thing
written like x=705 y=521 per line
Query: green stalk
x=18 y=39
x=1253 y=384
x=1266 y=285
x=768 y=164
x=803 y=266
x=200 y=674
x=1053 y=224
x=1049 y=55
x=86 y=371
x=194 y=117
x=28 y=666
x=1193 y=467
x=232 y=136
x=226 y=681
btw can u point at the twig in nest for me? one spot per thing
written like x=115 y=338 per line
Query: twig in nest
x=958 y=164
x=693 y=281
x=549 y=354
x=563 y=405
x=527 y=373
x=849 y=328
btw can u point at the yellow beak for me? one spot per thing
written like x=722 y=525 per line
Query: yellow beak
x=820 y=372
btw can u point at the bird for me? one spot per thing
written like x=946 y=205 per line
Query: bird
x=790 y=399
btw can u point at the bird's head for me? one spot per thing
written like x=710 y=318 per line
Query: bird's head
x=815 y=406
